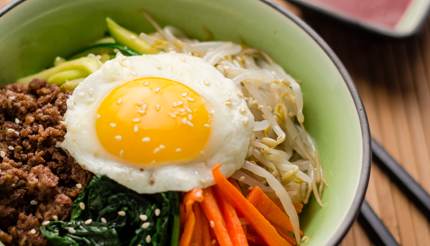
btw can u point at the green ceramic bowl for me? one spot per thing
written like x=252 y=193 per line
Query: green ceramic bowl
x=33 y=32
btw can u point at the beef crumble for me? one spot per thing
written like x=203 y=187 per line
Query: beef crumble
x=38 y=180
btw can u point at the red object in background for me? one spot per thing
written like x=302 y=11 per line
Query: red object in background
x=385 y=13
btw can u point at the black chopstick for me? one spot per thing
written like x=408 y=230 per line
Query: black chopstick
x=374 y=227
x=401 y=177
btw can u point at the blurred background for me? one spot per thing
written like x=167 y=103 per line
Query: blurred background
x=392 y=76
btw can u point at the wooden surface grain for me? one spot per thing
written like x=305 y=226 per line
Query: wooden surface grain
x=393 y=79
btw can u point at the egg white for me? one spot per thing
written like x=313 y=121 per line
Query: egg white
x=231 y=124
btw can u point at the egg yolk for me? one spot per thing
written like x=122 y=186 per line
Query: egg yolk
x=153 y=121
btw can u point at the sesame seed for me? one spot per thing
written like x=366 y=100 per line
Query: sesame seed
x=213 y=242
x=17 y=121
x=79 y=185
x=157 y=107
x=45 y=222
x=135 y=120
x=71 y=230
x=143 y=217
x=121 y=213
x=157 y=212
x=10 y=147
x=159 y=148
x=139 y=244
x=242 y=110
x=12 y=97
x=2 y=154
x=178 y=150
x=121 y=153
x=33 y=202
x=206 y=125
x=228 y=102
x=55 y=217
x=112 y=124
x=178 y=103
x=118 y=137
x=146 y=139
x=242 y=178
x=190 y=99
x=145 y=225
x=188 y=109
x=184 y=94
x=135 y=128
x=119 y=101
x=212 y=223
x=141 y=111
x=245 y=121
x=98 y=116
x=88 y=221
x=185 y=121
x=82 y=205
x=146 y=83
x=32 y=231
x=157 y=89
x=103 y=220
x=148 y=239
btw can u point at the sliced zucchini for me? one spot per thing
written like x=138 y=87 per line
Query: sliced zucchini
x=70 y=85
x=64 y=76
x=86 y=65
x=128 y=38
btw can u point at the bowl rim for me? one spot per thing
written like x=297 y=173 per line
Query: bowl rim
x=365 y=132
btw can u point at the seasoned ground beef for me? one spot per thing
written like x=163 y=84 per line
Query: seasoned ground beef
x=38 y=180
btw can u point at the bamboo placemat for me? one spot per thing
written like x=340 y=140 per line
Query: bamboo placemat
x=393 y=78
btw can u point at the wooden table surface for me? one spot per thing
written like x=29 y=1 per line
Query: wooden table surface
x=393 y=78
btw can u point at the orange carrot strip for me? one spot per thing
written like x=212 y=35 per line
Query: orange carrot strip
x=197 y=233
x=216 y=221
x=187 y=233
x=234 y=227
x=206 y=239
x=269 y=209
x=189 y=217
x=260 y=224
x=271 y=212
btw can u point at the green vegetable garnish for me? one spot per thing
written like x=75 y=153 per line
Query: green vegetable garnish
x=67 y=70
x=128 y=38
x=107 y=213
x=107 y=51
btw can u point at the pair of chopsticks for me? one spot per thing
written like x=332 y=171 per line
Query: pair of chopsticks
x=370 y=221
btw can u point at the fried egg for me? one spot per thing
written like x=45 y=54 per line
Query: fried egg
x=157 y=123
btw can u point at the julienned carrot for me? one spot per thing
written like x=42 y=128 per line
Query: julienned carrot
x=189 y=217
x=234 y=227
x=271 y=212
x=214 y=216
x=260 y=224
x=206 y=239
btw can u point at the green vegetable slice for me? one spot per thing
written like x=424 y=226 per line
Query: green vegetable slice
x=106 y=209
x=107 y=51
x=128 y=38
x=85 y=66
